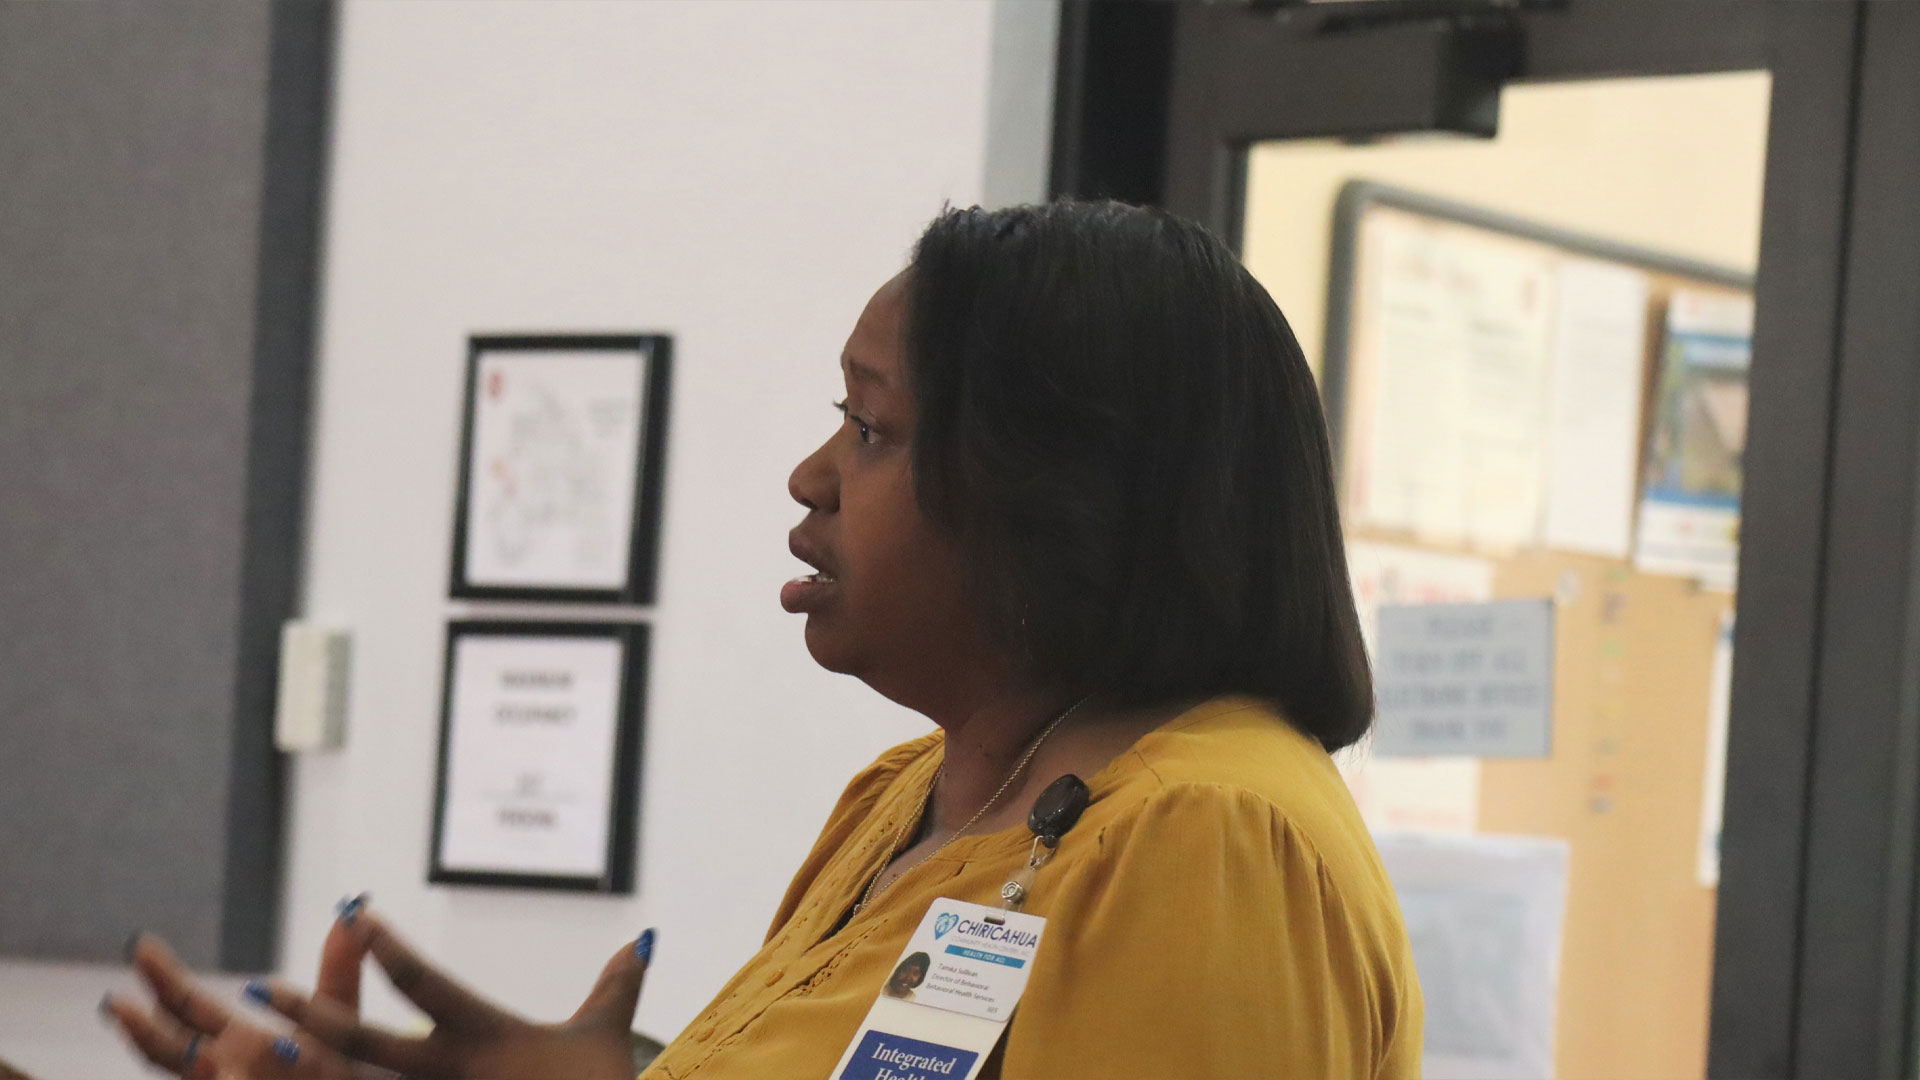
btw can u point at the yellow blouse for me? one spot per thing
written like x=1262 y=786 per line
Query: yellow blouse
x=1219 y=911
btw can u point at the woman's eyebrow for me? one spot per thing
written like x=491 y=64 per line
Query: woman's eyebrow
x=862 y=372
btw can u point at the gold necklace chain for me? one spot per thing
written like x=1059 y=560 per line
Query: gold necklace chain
x=899 y=834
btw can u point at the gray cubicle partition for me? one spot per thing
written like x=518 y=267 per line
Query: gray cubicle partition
x=160 y=180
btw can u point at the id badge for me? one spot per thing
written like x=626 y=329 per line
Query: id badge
x=948 y=998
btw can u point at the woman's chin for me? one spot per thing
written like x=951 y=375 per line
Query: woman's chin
x=827 y=648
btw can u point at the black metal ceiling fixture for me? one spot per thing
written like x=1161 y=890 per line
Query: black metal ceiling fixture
x=1337 y=16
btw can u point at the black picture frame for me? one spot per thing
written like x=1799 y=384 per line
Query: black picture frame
x=649 y=472
x=628 y=750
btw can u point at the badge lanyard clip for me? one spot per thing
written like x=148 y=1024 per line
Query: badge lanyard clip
x=1013 y=895
x=1053 y=813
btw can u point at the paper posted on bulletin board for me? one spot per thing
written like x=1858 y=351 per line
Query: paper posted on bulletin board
x=1690 y=507
x=1713 y=786
x=1438 y=795
x=1465 y=680
x=1495 y=389
x=1450 y=351
x=1484 y=917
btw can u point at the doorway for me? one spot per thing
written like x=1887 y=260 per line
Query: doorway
x=1639 y=221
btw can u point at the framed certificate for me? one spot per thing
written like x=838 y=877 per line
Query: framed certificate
x=540 y=735
x=560 y=474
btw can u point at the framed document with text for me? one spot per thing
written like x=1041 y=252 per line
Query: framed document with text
x=560 y=472
x=540 y=736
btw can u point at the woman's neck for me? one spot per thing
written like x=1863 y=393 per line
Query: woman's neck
x=985 y=741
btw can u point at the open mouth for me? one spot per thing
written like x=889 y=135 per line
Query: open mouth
x=805 y=594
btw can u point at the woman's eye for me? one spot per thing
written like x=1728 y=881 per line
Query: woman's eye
x=865 y=430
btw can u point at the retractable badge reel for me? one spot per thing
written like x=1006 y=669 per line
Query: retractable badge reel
x=1053 y=813
x=964 y=969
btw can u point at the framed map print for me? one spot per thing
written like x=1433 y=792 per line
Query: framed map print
x=561 y=460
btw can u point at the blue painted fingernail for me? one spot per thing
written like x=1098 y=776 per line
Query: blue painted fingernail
x=106 y=1005
x=257 y=992
x=193 y=1051
x=133 y=939
x=644 y=947
x=349 y=908
x=286 y=1049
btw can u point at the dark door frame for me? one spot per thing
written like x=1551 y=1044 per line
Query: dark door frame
x=293 y=176
x=1814 y=943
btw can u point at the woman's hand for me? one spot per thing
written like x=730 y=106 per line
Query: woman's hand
x=472 y=1037
x=178 y=1035
x=192 y=1036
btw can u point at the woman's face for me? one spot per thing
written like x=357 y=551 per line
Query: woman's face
x=887 y=604
x=907 y=977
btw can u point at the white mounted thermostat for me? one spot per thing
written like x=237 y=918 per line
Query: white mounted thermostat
x=312 y=712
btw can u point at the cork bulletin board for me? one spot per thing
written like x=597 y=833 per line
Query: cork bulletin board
x=1625 y=781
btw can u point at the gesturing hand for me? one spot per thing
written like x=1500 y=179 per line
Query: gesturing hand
x=189 y=1033
x=193 y=1036
x=473 y=1038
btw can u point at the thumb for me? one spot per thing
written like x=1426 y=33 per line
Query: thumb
x=617 y=993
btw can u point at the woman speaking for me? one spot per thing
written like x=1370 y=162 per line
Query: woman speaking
x=1078 y=510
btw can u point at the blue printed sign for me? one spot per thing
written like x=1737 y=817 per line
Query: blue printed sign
x=1467 y=680
x=986 y=957
x=881 y=1056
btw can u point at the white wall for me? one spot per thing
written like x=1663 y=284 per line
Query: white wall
x=740 y=175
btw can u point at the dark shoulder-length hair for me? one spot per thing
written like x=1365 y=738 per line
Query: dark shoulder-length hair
x=1117 y=424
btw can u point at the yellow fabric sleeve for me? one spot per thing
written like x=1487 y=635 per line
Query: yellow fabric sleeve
x=1209 y=941
x=854 y=804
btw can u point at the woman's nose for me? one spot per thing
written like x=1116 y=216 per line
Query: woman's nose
x=815 y=484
